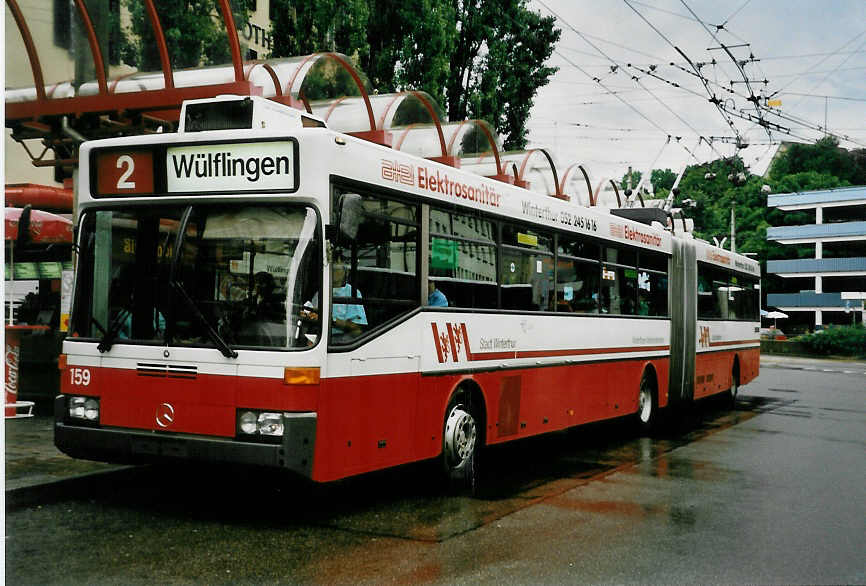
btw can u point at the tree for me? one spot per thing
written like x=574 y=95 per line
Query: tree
x=499 y=85
x=825 y=157
x=662 y=179
x=301 y=28
x=411 y=44
x=481 y=58
x=193 y=29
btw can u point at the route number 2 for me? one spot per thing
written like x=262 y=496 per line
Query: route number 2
x=80 y=376
x=129 y=163
x=127 y=172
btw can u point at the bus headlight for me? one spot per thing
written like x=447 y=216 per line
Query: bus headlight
x=86 y=408
x=247 y=422
x=271 y=424
x=261 y=423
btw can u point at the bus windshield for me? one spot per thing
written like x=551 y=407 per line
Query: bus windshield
x=221 y=276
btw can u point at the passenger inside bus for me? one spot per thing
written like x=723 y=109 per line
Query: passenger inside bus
x=435 y=297
x=264 y=313
x=266 y=304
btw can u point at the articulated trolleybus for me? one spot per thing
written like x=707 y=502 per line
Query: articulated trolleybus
x=257 y=288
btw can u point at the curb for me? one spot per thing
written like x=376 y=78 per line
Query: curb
x=53 y=490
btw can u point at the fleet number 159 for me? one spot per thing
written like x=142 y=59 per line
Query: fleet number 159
x=79 y=376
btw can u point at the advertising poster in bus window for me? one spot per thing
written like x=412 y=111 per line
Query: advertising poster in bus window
x=65 y=297
x=26 y=271
x=443 y=254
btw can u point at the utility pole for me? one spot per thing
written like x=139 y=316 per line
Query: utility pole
x=733 y=231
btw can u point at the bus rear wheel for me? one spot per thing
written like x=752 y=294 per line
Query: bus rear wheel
x=735 y=386
x=646 y=405
x=460 y=445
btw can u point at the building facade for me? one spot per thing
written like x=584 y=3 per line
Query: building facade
x=825 y=289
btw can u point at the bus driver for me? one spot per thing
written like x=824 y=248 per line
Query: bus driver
x=347 y=318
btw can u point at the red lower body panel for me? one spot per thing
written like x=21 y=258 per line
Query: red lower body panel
x=714 y=370
x=366 y=423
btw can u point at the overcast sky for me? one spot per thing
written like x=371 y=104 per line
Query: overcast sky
x=807 y=49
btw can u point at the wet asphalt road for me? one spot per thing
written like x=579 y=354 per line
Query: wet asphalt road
x=771 y=492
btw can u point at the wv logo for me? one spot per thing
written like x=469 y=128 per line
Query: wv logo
x=452 y=342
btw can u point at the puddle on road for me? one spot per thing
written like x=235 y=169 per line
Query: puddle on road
x=406 y=503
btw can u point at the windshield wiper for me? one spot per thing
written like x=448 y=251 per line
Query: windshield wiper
x=223 y=346
x=110 y=336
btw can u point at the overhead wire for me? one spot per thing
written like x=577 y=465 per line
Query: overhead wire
x=616 y=65
x=848 y=42
x=713 y=99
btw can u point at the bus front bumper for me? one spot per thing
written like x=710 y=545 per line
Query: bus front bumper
x=129 y=446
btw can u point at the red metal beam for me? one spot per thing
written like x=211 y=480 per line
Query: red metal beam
x=30 y=47
x=44 y=197
x=98 y=63
x=138 y=101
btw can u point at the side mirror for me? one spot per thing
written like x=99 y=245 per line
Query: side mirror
x=350 y=213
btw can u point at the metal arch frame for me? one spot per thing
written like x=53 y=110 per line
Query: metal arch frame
x=501 y=174
x=30 y=47
x=585 y=178
x=251 y=65
x=558 y=194
x=169 y=97
x=376 y=135
x=445 y=158
x=615 y=190
x=164 y=59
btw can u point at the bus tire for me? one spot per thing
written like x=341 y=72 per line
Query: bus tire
x=735 y=385
x=647 y=404
x=460 y=443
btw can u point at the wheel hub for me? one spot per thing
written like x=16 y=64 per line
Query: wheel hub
x=460 y=435
x=645 y=404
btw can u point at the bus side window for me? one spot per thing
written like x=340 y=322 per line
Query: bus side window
x=463 y=258
x=526 y=279
x=380 y=264
x=712 y=291
x=652 y=283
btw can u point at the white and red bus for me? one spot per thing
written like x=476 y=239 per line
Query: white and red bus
x=255 y=288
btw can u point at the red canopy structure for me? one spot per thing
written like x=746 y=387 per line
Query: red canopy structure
x=42 y=227
x=44 y=197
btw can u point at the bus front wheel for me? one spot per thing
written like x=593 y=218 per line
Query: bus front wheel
x=460 y=444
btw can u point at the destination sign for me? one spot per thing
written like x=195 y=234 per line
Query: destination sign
x=257 y=166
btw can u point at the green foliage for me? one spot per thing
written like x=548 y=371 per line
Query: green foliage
x=843 y=341
x=193 y=31
x=500 y=86
x=481 y=58
x=799 y=168
x=823 y=158
x=301 y=28
x=662 y=180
